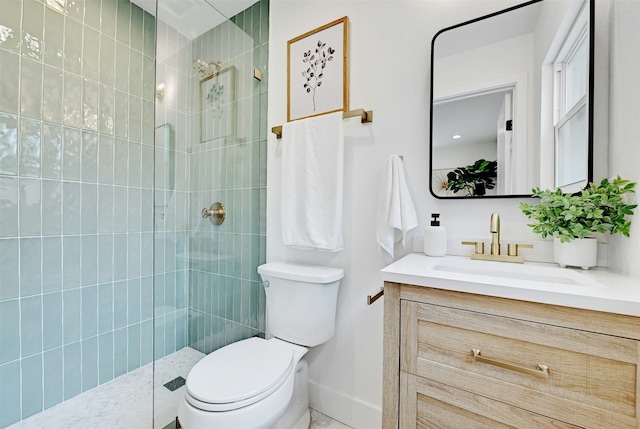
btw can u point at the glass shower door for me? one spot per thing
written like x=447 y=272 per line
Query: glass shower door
x=76 y=194
x=210 y=147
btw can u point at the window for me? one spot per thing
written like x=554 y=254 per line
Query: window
x=571 y=119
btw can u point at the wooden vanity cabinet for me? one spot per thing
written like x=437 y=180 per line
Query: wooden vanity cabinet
x=459 y=360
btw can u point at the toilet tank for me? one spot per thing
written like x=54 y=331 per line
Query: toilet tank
x=301 y=301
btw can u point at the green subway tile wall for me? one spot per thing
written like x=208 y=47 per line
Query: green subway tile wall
x=228 y=164
x=105 y=261
x=76 y=197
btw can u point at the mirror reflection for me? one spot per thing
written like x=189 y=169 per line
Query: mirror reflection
x=510 y=107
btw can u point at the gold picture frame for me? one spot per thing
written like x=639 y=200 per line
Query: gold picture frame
x=218 y=105
x=311 y=92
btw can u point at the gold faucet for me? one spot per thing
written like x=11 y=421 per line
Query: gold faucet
x=494 y=229
x=494 y=252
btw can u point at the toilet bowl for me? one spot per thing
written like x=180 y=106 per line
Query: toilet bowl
x=245 y=385
x=263 y=384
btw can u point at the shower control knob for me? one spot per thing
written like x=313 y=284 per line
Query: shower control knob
x=216 y=213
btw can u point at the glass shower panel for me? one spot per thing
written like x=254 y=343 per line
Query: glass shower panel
x=170 y=222
x=225 y=168
x=76 y=193
x=211 y=138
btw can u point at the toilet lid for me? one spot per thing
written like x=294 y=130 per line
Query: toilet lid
x=239 y=374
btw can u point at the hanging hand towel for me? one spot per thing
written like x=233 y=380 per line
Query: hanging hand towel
x=396 y=213
x=312 y=182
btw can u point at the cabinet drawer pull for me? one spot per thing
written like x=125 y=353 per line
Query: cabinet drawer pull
x=541 y=371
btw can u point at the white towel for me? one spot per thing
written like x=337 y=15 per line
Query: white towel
x=396 y=212
x=312 y=182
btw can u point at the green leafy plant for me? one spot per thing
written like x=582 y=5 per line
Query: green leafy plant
x=474 y=178
x=597 y=209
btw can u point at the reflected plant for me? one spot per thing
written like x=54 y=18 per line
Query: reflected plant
x=317 y=62
x=473 y=179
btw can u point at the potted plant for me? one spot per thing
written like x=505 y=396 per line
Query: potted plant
x=475 y=179
x=574 y=219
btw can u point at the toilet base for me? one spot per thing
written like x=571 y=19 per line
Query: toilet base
x=304 y=422
x=297 y=415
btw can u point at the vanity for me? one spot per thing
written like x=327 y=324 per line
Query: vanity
x=482 y=344
x=475 y=343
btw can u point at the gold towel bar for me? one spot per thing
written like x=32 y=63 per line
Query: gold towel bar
x=366 y=116
x=371 y=299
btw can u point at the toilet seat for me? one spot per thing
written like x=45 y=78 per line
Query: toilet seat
x=239 y=374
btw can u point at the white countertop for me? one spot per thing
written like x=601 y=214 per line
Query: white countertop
x=596 y=289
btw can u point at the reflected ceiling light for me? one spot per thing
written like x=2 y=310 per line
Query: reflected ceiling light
x=160 y=92
x=457 y=136
x=58 y=5
x=6 y=33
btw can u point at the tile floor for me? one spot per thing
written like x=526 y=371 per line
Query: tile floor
x=126 y=403
x=318 y=421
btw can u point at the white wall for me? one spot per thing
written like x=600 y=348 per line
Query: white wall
x=389 y=72
x=624 y=154
x=481 y=67
x=453 y=156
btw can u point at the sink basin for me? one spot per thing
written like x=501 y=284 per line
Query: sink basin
x=521 y=272
x=596 y=289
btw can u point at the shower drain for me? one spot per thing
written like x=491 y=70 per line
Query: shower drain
x=176 y=383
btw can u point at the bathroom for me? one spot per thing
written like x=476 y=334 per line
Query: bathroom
x=389 y=75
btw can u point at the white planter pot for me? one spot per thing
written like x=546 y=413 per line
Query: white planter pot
x=581 y=252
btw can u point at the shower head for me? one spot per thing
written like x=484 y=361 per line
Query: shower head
x=206 y=69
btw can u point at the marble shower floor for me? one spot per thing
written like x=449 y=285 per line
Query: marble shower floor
x=122 y=403
x=126 y=403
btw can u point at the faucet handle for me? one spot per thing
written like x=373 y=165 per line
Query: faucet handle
x=494 y=224
x=479 y=246
x=512 y=249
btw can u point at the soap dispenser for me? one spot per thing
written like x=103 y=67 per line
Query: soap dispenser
x=435 y=237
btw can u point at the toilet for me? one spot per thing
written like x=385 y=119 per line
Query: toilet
x=262 y=384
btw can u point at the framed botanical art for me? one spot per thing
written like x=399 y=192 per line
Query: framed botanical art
x=218 y=105
x=317 y=71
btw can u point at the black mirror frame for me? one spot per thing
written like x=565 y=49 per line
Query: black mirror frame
x=589 y=103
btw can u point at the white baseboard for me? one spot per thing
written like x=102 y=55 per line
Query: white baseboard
x=346 y=409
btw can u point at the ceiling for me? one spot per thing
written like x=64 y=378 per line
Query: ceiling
x=487 y=31
x=194 y=17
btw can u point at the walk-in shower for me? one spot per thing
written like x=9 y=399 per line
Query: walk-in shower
x=111 y=282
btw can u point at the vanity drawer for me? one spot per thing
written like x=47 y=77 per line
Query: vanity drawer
x=427 y=404
x=591 y=380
